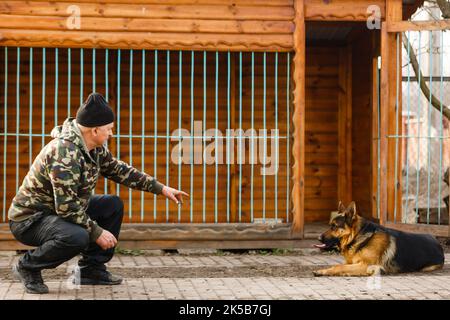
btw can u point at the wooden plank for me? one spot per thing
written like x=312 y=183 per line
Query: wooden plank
x=389 y=74
x=383 y=125
x=145 y=40
x=234 y=182
x=211 y=231
x=319 y=10
x=8 y=21
x=435 y=230
x=394 y=13
x=271 y=3
x=298 y=120
x=157 y=11
x=222 y=244
x=344 y=126
x=434 y=25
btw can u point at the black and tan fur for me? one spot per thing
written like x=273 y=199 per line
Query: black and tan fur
x=369 y=248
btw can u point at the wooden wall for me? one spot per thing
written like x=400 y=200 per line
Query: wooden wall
x=136 y=123
x=321 y=154
x=150 y=24
x=362 y=123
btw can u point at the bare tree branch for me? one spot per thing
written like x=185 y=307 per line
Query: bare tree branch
x=436 y=103
x=445 y=8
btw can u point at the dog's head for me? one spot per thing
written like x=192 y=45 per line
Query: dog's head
x=342 y=224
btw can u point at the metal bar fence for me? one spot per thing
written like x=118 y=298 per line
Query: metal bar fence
x=208 y=68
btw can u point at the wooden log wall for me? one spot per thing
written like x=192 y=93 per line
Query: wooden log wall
x=321 y=130
x=256 y=25
x=363 y=133
x=136 y=114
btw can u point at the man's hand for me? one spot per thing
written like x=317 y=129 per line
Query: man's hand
x=106 y=240
x=174 y=194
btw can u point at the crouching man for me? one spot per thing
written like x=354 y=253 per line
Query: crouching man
x=55 y=209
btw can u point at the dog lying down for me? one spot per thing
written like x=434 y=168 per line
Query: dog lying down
x=369 y=248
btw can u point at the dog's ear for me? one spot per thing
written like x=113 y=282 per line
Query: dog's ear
x=341 y=207
x=350 y=213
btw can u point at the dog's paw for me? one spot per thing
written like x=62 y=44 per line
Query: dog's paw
x=319 y=273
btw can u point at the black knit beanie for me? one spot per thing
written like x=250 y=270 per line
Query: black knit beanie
x=95 y=112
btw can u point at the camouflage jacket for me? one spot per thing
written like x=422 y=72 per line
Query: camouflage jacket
x=64 y=175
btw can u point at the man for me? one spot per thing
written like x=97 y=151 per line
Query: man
x=55 y=209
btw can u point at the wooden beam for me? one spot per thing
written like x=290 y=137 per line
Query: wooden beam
x=394 y=14
x=145 y=40
x=154 y=11
x=374 y=149
x=345 y=126
x=8 y=21
x=234 y=183
x=402 y=26
x=436 y=230
x=343 y=10
x=298 y=119
x=384 y=116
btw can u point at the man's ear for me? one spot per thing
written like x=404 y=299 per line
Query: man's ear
x=341 y=207
x=350 y=212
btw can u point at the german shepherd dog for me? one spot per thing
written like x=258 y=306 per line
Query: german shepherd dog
x=369 y=248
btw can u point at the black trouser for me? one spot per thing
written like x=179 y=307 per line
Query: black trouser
x=58 y=240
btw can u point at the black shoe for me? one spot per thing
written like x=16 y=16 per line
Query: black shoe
x=92 y=276
x=32 y=280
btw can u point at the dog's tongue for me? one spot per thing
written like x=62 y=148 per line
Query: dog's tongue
x=320 y=246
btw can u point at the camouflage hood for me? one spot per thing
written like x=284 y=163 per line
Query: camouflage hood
x=69 y=131
x=64 y=176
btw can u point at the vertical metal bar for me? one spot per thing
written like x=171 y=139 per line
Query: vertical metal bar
x=276 y=136
x=106 y=75
x=264 y=135
x=167 y=128
x=118 y=113
x=69 y=78
x=107 y=99
x=81 y=75
x=143 y=129
x=252 y=136
x=5 y=106
x=378 y=138
x=228 y=137
x=396 y=124
x=44 y=66
x=241 y=144
x=405 y=215
x=441 y=129
x=419 y=95
x=93 y=71
x=17 y=115
x=56 y=86
x=192 y=138
x=430 y=54
x=155 y=140
x=130 y=130
x=204 y=140
x=180 y=99
x=216 y=128
x=30 y=125
x=288 y=135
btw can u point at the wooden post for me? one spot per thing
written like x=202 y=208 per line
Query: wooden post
x=389 y=72
x=345 y=126
x=375 y=134
x=298 y=119
x=234 y=182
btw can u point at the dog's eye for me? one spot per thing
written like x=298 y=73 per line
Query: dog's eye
x=333 y=227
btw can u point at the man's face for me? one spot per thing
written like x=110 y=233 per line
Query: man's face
x=102 y=134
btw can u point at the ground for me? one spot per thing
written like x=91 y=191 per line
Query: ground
x=200 y=274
